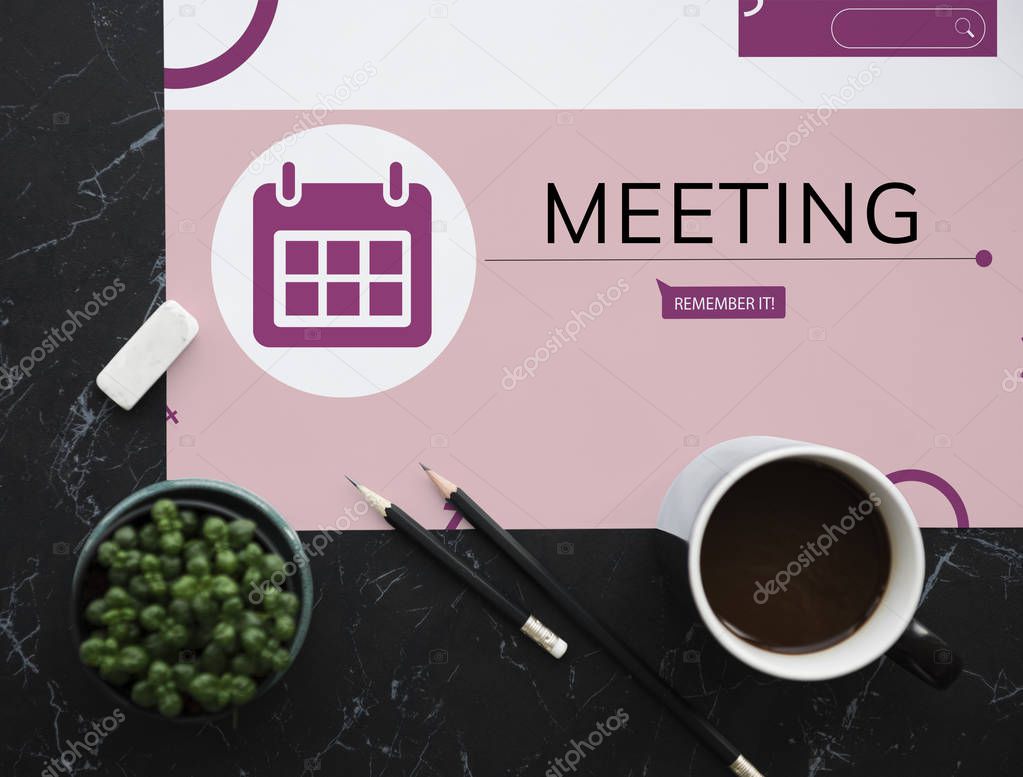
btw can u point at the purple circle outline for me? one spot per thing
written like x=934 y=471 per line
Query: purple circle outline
x=230 y=60
x=942 y=485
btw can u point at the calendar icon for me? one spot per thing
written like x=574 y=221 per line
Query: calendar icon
x=341 y=264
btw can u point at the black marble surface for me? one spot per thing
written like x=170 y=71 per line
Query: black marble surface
x=403 y=672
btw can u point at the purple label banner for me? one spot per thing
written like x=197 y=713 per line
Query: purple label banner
x=847 y=28
x=722 y=301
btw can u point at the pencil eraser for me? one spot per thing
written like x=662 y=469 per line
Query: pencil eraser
x=147 y=354
x=559 y=648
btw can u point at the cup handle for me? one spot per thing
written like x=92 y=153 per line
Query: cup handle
x=923 y=653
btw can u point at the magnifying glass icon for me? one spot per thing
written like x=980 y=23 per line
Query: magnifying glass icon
x=963 y=27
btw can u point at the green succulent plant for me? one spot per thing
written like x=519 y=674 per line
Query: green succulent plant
x=173 y=624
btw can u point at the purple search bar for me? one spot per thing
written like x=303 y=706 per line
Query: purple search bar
x=867 y=28
x=917 y=29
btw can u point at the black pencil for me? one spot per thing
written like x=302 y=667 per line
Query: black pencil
x=528 y=624
x=633 y=664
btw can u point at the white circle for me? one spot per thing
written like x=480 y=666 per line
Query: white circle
x=196 y=31
x=344 y=153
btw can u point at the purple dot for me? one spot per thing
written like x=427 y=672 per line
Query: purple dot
x=984 y=258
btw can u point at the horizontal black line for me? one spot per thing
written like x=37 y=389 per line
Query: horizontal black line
x=742 y=259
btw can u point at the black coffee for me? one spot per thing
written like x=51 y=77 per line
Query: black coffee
x=795 y=557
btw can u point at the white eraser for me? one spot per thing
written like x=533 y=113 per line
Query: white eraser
x=147 y=354
x=559 y=648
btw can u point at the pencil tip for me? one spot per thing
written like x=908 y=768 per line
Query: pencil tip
x=445 y=486
x=377 y=502
x=425 y=468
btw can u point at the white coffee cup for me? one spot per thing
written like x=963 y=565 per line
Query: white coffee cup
x=690 y=502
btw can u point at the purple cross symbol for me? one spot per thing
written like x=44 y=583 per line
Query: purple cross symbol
x=172 y=415
x=455 y=519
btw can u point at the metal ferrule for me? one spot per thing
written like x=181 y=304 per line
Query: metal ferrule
x=540 y=634
x=744 y=768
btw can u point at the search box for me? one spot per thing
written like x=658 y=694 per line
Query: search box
x=868 y=28
x=908 y=29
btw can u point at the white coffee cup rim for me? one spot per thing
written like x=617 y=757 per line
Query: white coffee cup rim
x=815 y=665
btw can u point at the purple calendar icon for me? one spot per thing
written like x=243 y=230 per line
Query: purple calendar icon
x=341 y=264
